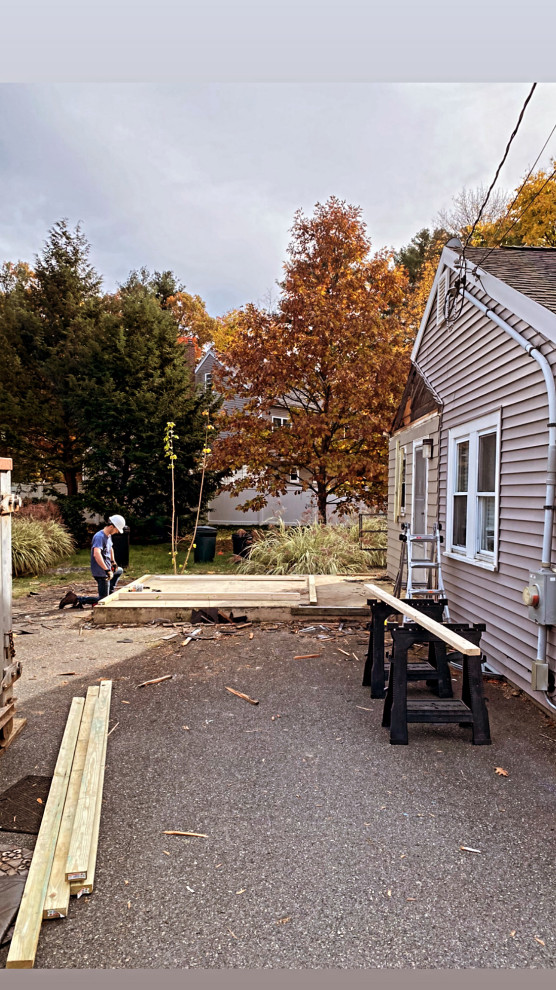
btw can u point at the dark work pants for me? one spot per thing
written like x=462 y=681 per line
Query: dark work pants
x=105 y=588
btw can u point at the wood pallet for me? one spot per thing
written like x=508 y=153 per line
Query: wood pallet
x=68 y=838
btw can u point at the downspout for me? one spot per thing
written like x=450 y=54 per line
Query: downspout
x=534 y=352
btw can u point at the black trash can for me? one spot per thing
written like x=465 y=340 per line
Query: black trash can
x=205 y=544
x=241 y=543
x=120 y=543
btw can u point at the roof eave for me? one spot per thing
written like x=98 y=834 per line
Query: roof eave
x=538 y=317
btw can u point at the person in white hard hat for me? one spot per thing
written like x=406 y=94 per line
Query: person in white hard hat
x=103 y=565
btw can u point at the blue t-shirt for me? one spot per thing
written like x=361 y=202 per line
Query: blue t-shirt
x=104 y=543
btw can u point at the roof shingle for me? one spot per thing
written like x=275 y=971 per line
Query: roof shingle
x=530 y=270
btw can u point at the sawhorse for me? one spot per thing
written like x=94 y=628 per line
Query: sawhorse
x=374 y=674
x=471 y=710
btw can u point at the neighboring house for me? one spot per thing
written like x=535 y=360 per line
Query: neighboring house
x=470 y=449
x=223 y=510
x=293 y=507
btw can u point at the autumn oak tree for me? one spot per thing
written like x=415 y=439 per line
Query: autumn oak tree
x=334 y=356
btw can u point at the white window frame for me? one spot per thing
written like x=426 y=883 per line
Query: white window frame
x=471 y=431
x=294 y=480
x=208 y=380
x=238 y=475
x=278 y=421
x=416 y=445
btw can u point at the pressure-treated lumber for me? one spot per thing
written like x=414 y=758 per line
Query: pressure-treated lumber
x=436 y=628
x=312 y=590
x=231 y=596
x=25 y=938
x=77 y=863
x=57 y=899
x=79 y=887
x=181 y=578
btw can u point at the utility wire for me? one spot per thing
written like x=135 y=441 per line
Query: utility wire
x=498 y=170
x=514 y=201
x=458 y=289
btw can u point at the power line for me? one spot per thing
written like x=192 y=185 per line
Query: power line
x=523 y=212
x=460 y=284
x=514 y=201
x=498 y=170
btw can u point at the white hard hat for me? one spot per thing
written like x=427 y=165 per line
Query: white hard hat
x=118 y=522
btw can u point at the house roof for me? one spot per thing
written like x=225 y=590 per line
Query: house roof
x=418 y=399
x=522 y=280
x=210 y=353
x=530 y=270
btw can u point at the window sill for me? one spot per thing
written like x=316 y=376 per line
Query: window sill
x=485 y=565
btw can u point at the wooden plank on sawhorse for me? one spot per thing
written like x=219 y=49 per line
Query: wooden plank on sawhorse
x=436 y=628
x=374 y=672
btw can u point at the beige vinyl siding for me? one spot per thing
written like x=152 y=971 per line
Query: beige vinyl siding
x=477 y=370
x=428 y=426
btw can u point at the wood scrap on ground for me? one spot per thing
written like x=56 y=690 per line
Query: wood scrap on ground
x=196 y=835
x=245 y=697
x=156 y=680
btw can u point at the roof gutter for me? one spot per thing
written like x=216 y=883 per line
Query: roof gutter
x=546 y=563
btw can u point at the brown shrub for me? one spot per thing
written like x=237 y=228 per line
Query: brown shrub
x=41 y=510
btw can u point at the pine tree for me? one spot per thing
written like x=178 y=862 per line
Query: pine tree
x=138 y=380
x=48 y=319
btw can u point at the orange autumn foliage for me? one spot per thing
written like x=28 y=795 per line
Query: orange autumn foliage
x=333 y=356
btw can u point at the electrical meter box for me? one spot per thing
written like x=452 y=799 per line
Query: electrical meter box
x=540 y=596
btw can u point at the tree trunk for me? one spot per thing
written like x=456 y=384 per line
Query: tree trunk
x=70 y=478
x=321 y=502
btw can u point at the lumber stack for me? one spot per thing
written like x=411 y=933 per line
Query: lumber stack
x=65 y=853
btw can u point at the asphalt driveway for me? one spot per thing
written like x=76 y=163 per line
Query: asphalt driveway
x=326 y=846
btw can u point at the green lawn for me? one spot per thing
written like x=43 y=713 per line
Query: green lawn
x=143 y=559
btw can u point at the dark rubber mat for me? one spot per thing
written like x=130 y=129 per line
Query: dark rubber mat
x=11 y=892
x=22 y=805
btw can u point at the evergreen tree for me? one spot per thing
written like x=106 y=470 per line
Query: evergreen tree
x=48 y=318
x=138 y=380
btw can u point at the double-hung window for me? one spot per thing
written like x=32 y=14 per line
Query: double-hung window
x=473 y=491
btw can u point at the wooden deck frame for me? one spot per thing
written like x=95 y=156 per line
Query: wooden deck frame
x=262 y=598
x=23 y=947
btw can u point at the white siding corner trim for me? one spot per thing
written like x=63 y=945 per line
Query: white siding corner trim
x=472 y=510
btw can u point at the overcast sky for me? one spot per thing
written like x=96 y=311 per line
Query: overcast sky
x=205 y=179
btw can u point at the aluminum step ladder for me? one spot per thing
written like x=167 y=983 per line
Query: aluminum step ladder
x=423 y=569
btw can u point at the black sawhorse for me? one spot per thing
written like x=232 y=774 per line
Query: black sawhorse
x=471 y=710
x=374 y=674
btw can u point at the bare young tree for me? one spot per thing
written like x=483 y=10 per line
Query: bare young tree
x=461 y=216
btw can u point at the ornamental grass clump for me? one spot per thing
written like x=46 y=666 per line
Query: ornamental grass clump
x=38 y=545
x=313 y=549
